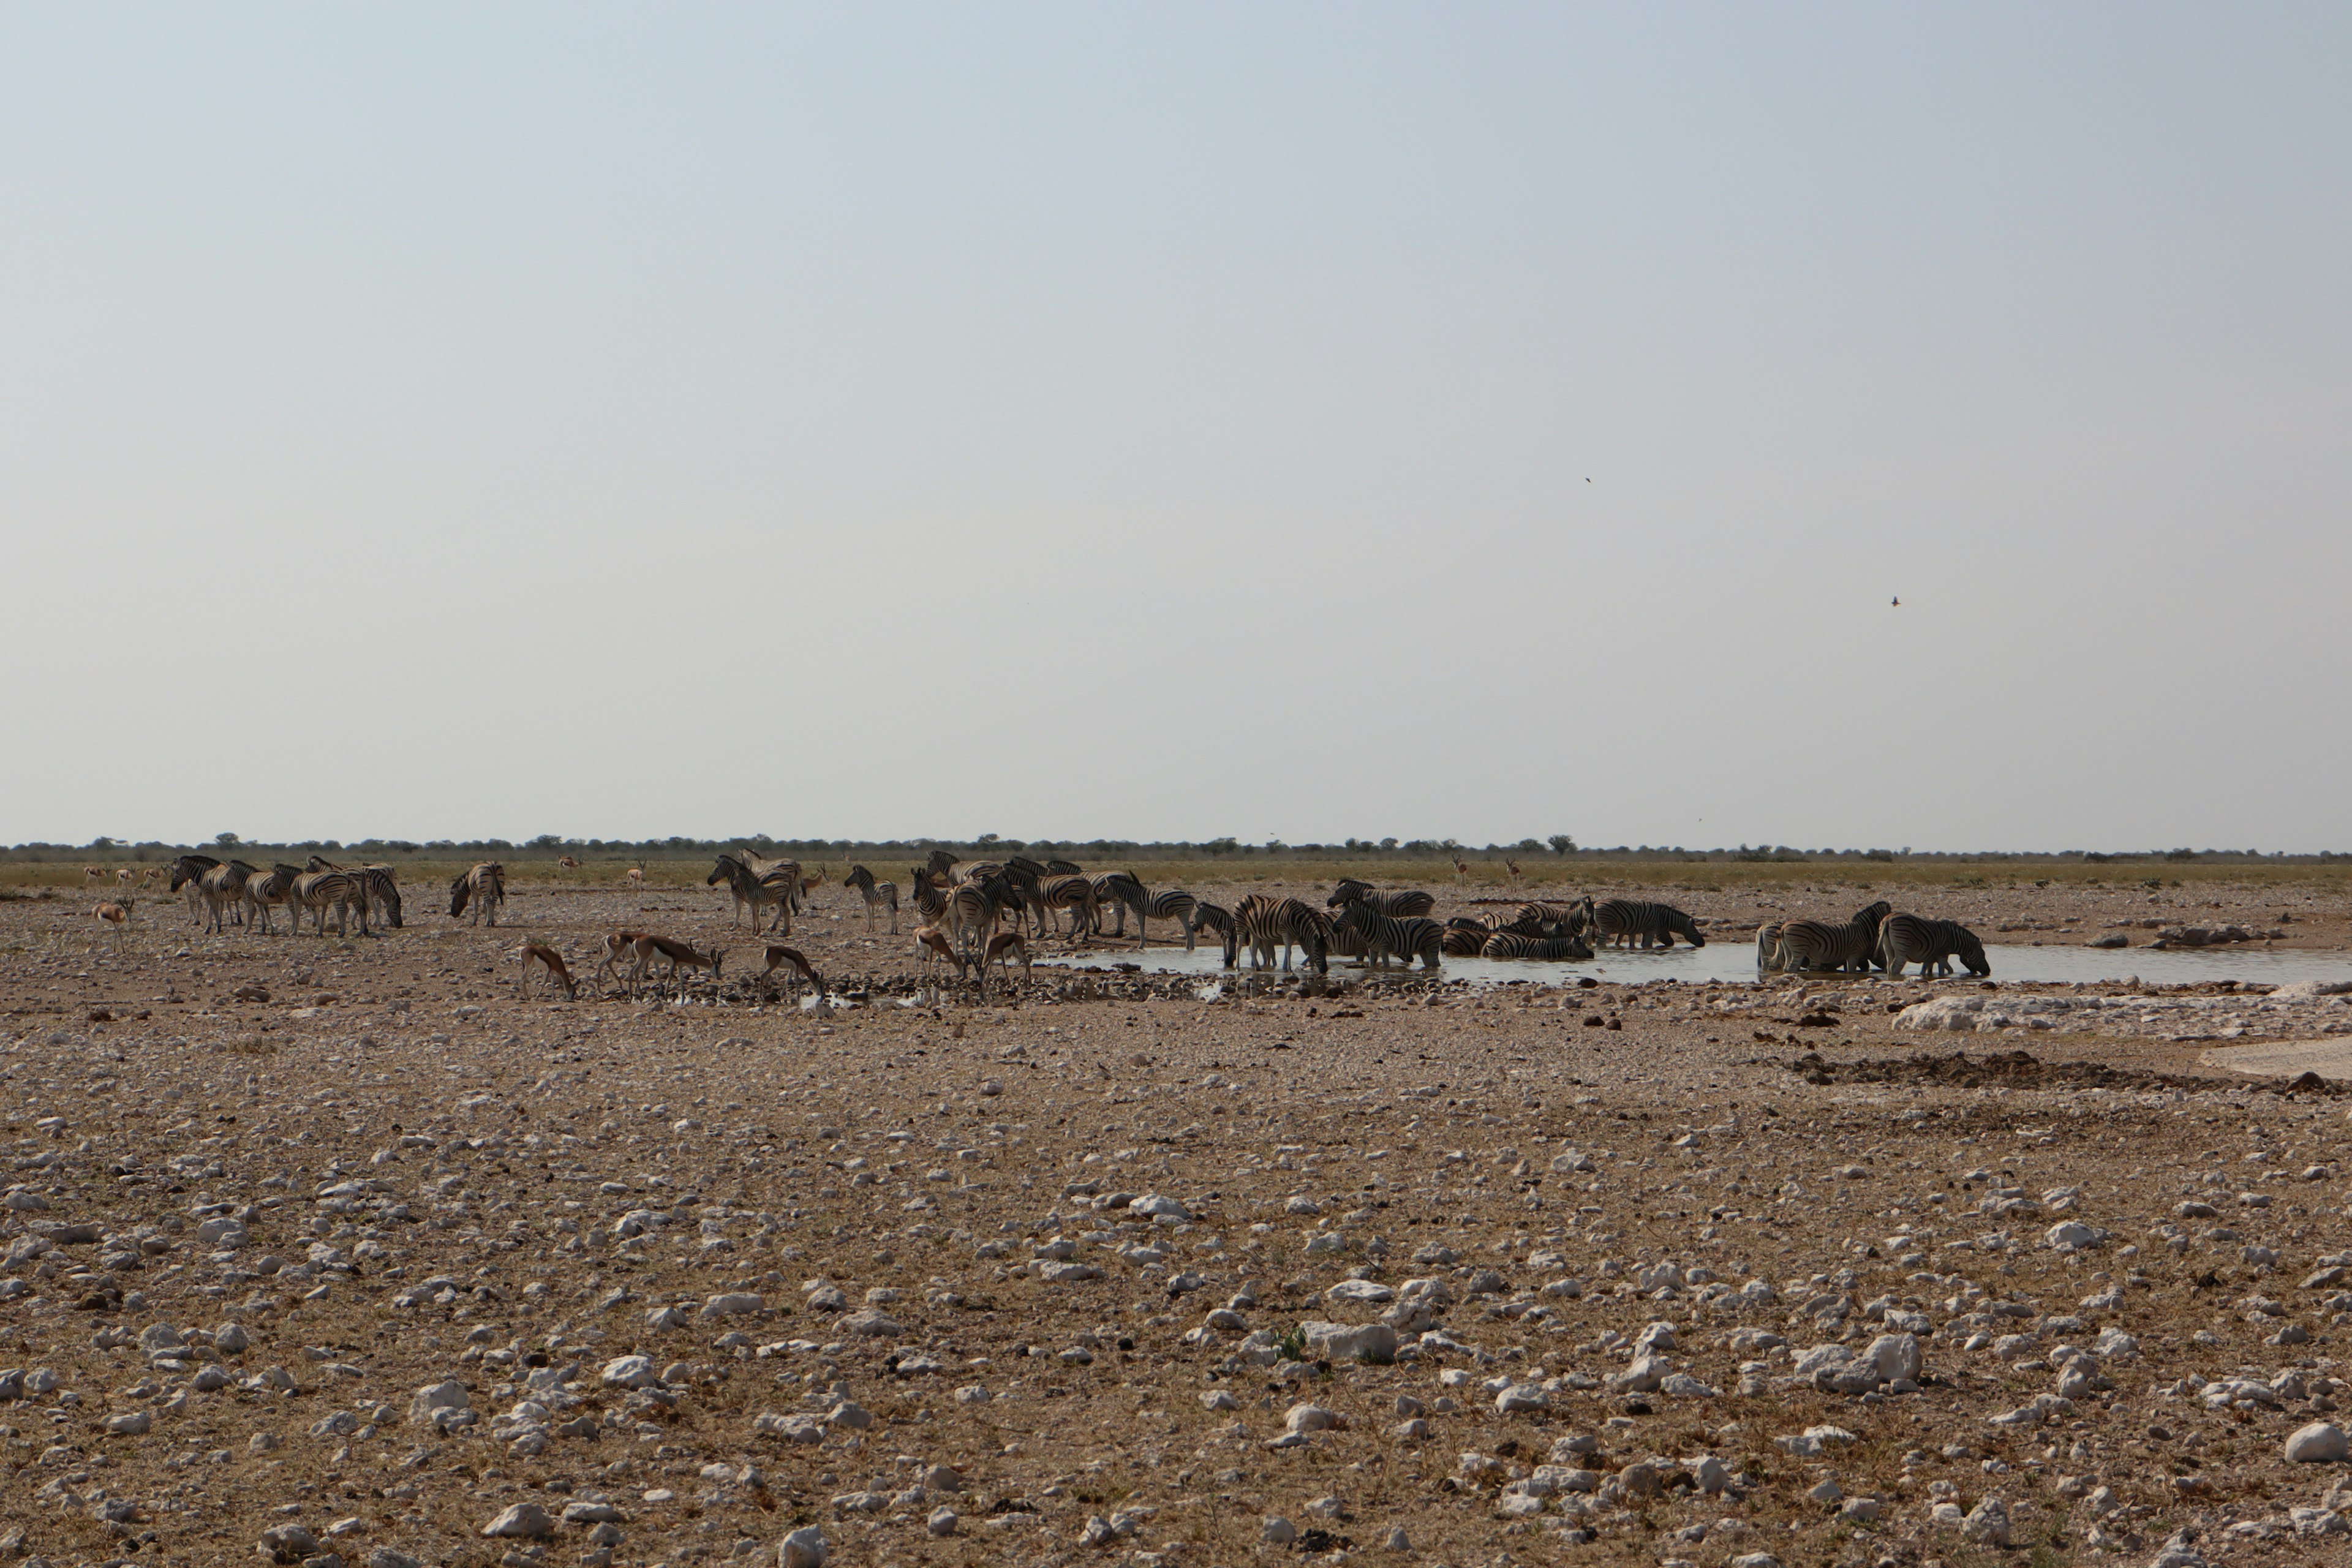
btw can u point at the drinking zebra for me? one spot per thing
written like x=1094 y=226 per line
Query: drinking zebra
x=1465 y=941
x=1264 y=923
x=1931 y=944
x=1816 y=944
x=1173 y=904
x=1385 y=934
x=484 y=886
x=1768 y=947
x=1401 y=903
x=875 y=893
x=1123 y=891
x=1511 y=944
x=1218 y=919
x=1619 y=921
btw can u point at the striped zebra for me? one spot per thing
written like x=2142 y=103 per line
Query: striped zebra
x=223 y=888
x=381 y=892
x=875 y=893
x=316 y=892
x=1264 y=923
x=1619 y=921
x=1816 y=944
x=1065 y=868
x=969 y=918
x=1510 y=944
x=188 y=875
x=1123 y=891
x=484 y=886
x=263 y=891
x=1218 y=919
x=757 y=882
x=1075 y=893
x=1386 y=935
x=1465 y=941
x=1171 y=904
x=1028 y=878
x=929 y=902
x=1931 y=944
x=1768 y=947
x=1400 y=903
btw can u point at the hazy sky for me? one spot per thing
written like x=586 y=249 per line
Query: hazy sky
x=1178 y=421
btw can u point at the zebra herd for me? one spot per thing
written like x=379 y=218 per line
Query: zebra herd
x=1873 y=936
x=225 y=892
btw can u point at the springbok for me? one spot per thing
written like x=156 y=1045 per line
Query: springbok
x=566 y=863
x=557 y=970
x=795 y=965
x=91 y=874
x=932 y=946
x=1006 y=948
x=113 y=912
x=618 y=945
x=677 y=954
x=638 y=878
x=1513 y=867
x=1461 y=869
x=123 y=876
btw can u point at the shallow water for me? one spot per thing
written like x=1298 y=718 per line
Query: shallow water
x=1733 y=961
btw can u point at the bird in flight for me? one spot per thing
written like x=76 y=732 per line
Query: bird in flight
x=1898 y=601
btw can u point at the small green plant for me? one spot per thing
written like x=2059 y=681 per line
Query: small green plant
x=1292 y=1346
x=1377 y=1358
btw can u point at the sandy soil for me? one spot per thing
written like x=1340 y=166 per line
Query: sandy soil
x=890 y=1278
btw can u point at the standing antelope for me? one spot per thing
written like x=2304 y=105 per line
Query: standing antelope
x=649 y=948
x=873 y=893
x=1006 y=948
x=123 y=876
x=91 y=874
x=557 y=972
x=113 y=912
x=638 y=878
x=1513 y=867
x=1461 y=869
x=619 y=944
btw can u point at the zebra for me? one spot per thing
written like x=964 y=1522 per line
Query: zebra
x=1075 y=893
x=973 y=910
x=1218 y=919
x=941 y=864
x=381 y=892
x=263 y=891
x=1904 y=939
x=1262 y=923
x=1816 y=944
x=756 y=883
x=485 y=887
x=1619 y=921
x=1768 y=947
x=873 y=893
x=1065 y=868
x=1386 y=934
x=930 y=902
x=315 y=892
x=223 y=887
x=1122 y=890
x=1465 y=941
x=187 y=877
x=1028 y=878
x=1510 y=944
x=1173 y=904
x=1400 y=903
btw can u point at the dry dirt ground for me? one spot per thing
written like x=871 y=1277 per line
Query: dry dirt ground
x=1398 y=1272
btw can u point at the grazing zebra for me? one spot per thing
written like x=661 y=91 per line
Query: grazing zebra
x=756 y=883
x=381 y=892
x=649 y=948
x=485 y=887
x=187 y=873
x=873 y=893
x=1075 y=893
x=1400 y=903
x=1173 y=904
x=1028 y=878
x=264 y=892
x=558 y=973
x=795 y=965
x=1619 y=921
x=1264 y=924
x=1385 y=935
x=1816 y=944
x=316 y=892
x=1122 y=890
x=1006 y=948
x=1510 y=944
x=1932 y=944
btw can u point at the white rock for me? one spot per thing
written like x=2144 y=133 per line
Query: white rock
x=433 y=1396
x=2321 y=1443
x=1313 y=1418
x=804 y=1547
x=1350 y=1341
x=629 y=1372
x=734 y=1304
x=2071 y=1236
x=1278 y=1532
x=1987 y=1524
x=523 y=1522
x=1521 y=1396
x=1359 y=1292
x=942 y=1521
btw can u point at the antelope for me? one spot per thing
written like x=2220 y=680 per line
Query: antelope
x=558 y=973
x=566 y=863
x=649 y=948
x=1513 y=867
x=91 y=874
x=123 y=876
x=931 y=945
x=638 y=878
x=154 y=874
x=114 y=912
x=616 y=946
x=1006 y=948
x=795 y=965
x=1461 y=869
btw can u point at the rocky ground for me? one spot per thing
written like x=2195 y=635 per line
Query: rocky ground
x=376 y=1263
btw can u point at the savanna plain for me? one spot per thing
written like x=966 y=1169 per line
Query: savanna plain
x=340 y=1251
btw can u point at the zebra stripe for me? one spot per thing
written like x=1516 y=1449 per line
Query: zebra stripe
x=1264 y=923
x=1816 y=944
x=484 y=886
x=262 y=891
x=873 y=893
x=1932 y=944
x=1398 y=902
x=756 y=883
x=1385 y=934
x=1171 y=904
x=1511 y=944
x=1075 y=893
x=1465 y=941
x=381 y=892
x=1123 y=891
x=222 y=887
x=316 y=892
x=1619 y=921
